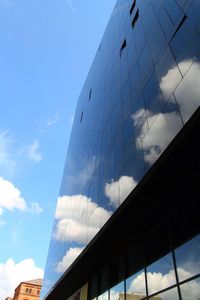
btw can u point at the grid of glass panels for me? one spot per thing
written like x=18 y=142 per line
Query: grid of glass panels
x=142 y=88
x=175 y=276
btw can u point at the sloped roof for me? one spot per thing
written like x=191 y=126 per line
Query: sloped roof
x=34 y=281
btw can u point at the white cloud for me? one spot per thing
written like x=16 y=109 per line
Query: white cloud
x=33 y=152
x=164 y=126
x=188 y=89
x=159 y=281
x=68 y=259
x=117 y=191
x=114 y=295
x=188 y=92
x=169 y=82
x=79 y=219
x=11 y=274
x=10 y=197
x=7 y=161
x=54 y=120
x=163 y=130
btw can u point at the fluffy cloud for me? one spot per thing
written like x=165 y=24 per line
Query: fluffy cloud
x=159 y=281
x=169 y=82
x=187 y=93
x=164 y=128
x=137 y=285
x=11 y=274
x=117 y=191
x=33 y=152
x=79 y=219
x=10 y=198
x=68 y=259
x=166 y=125
x=189 y=88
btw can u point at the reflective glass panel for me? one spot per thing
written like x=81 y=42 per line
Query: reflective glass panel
x=187 y=93
x=160 y=274
x=103 y=296
x=135 y=286
x=188 y=259
x=168 y=295
x=191 y=290
x=117 y=292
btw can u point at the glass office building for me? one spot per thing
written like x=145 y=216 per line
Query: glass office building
x=127 y=222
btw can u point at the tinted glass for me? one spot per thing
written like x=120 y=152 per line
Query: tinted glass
x=160 y=274
x=190 y=290
x=117 y=292
x=168 y=295
x=188 y=259
x=135 y=286
x=135 y=100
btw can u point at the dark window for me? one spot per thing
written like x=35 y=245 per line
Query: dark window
x=135 y=18
x=30 y=291
x=81 y=118
x=132 y=7
x=179 y=26
x=90 y=94
x=38 y=292
x=26 y=290
x=123 y=47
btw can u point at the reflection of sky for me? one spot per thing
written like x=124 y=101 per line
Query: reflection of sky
x=159 y=281
x=79 y=218
x=188 y=258
x=97 y=180
x=136 y=284
x=103 y=296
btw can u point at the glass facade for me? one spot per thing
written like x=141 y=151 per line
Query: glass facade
x=142 y=88
x=159 y=280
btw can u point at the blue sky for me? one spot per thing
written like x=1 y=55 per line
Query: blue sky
x=46 y=49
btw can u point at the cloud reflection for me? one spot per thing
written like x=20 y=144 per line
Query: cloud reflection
x=163 y=129
x=158 y=282
x=117 y=191
x=68 y=259
x=79 y=219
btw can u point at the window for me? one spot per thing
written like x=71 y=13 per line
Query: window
x=26 y=291
x=81 y=118
x=123 y=47
x=132 y=7
x=38 y=292
x=135 y=19
x=179 y=26
x=90 y=94
x=30 y=291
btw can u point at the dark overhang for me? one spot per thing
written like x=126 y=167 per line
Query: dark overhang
x=169 y=190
